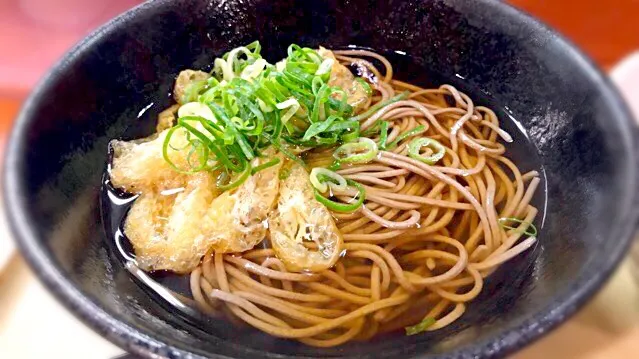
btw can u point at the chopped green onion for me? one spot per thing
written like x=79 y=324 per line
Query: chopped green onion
x=335 y=165
x=365 y=86
x=241 y=178
x=284 y=173
x=530 y=229
x=417 y=144
x=219 y=151
x=230 y=126
x=362 y=151
x=402 y=136
x=350 y=136
x=316 y=84
x=288 y=154
x=252 y=71
x=325 y=67
x=320 y=98
x=378 y=106
x=338 y=103
x=318 y=127
x=321 y=179
x=373 y=130
x=170 y=134
x=231 y=117
x=193 y=91
x=203 y=155
x=222 y=69
x=383 y=135
x=293 y=106
x=196 y=109
x=265 y=165
x=420 y=327
x=167 y=144
x=342 y=207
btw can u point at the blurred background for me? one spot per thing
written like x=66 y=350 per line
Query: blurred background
x=35 y=33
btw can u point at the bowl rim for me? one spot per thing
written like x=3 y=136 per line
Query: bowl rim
x=136 y=341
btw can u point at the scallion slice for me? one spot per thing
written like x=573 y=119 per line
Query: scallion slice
x=402 y=136
x=265 y=165
x=438 y=150
x=343 y=207
x=335 y=165
x=365 y=86
x=383 y=135
x=420 y=327
x=530 y=229
x=322 y=179
x=193 y=91
x=325 y=67
x=362 y=151
x=378 y=106
x=293 y=106
x=241 y=178
x=165 y=152
x=196 y=109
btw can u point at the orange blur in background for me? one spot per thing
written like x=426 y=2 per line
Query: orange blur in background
x=605 y=30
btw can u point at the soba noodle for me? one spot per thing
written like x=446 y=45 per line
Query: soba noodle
x=419 y=248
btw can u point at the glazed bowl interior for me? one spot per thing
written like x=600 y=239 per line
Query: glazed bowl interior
x=115 y=83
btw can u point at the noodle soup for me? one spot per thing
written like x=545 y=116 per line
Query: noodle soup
x=321 y=198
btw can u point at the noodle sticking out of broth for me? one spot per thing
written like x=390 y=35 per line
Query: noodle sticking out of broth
x=321 y=206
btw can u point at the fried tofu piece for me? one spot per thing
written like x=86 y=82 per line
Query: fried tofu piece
x=178 y=218
x=184 y=80
x=298 y=219
x=139 y=166
x=237 y=220
x=343 y=78
x=164 y=229
x=167 y=118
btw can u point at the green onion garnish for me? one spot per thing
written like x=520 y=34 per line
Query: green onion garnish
x=284 y=173
x=265 y=165
x=342 y=207
x=292 y=105
x=365 y=85
x=415 y=147
x=362 y=151
x=321 y=179
x=373 y=130
x=325 y=67
x=335 y=165
x=243 y=176
x=351 y=135
x=529 y=230
x=383 y=135
x=289 y=154
x=193 y=91
x=196 y=147
x=254 y=105
x=379 y=105
x=402 y=136
x=420 y=327
x=318 y=127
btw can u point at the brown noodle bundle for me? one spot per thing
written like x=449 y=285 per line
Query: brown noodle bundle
x=421 y=245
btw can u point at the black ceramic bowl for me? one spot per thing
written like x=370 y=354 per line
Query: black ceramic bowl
x=117 y=80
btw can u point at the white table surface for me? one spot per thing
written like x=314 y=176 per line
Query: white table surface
x=34 y=325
